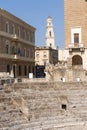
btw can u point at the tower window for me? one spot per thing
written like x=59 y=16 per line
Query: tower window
x=76 y=37
x=50 y=33
x=50 y=44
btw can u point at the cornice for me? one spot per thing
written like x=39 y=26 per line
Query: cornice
x=15 y=19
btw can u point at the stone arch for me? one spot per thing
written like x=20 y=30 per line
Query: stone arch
x=63 y=100
x=76 y=60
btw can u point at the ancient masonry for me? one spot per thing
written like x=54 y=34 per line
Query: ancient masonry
x=43 y=106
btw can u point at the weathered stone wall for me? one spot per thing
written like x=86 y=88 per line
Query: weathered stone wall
x=65 y=71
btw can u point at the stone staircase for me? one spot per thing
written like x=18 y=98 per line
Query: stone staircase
x=43 y=106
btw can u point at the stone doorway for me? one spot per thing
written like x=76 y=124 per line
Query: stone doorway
x=77 y=60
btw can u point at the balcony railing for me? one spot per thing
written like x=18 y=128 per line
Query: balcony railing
x=14 y=37
x=76 y=47
x=16 y=57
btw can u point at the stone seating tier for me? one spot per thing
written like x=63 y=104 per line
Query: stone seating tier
x=43 y=106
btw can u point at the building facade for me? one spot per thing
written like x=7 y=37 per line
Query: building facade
x=17 y=45
x=75 y=19
x=43 y=56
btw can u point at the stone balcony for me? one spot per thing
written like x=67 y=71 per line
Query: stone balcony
x=15 y=38
x=18 y=39
x=15 y=57
x=76 y=47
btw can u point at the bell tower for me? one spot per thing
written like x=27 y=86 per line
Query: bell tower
x=50 y=42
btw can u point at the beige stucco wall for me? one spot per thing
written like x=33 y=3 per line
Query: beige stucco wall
x=39 y=56
x=45 y=55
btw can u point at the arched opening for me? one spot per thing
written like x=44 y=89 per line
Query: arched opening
x=76 y=60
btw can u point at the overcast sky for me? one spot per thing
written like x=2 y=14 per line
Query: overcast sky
x=35 y=13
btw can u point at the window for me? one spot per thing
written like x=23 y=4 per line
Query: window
x=13 y=50
x=13 y=29
x=19 y=52
x=18 y=31
x=7 y=27
x=27 y=53
x=7 y=49
x=50 y=45
x=76 y=37
x=37 y=54
x=31 y=53
x=33 y=37
x=24 y=51
x=8 y=68
x=45 y=55
x=50 y=33
x=49 y=23
x=24 y=34
x=28 y=36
